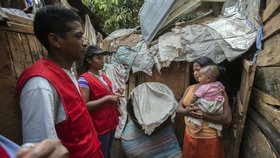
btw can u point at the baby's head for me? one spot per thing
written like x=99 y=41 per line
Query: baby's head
x=208 y=74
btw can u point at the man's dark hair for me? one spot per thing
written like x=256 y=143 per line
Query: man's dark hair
x=53 y=19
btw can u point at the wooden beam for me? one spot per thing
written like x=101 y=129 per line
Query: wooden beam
x=272 y=41
x=254 y=143
x=20 y=20
x=269 y=56
x=267 y=106
x=272 y=6
x=272 y=135
x=247 y=78
x=239 y=105
x=10 y=121
x=267 y=79
x=272 y=26
x=266 y=98
x=19 y=28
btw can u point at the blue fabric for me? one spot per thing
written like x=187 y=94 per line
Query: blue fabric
x=29 y=2
x=258 y=43
x=162 y=143
x=83 y=82
x=106 y=141
x=10 y=147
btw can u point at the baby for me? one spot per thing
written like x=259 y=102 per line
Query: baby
x=209 y=96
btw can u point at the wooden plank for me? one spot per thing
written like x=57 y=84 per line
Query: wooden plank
x=255 y=142
x=16 y=54
x=270 y=9
x=28 y=59
x=19 y=28
x=271 y=134
x=10 y=122
x=272 y=26
x=33 y=48
x=168 y=74
x=267 y=2
x=20 y=20
x=268 y=80
x=272 y=41
x=240 y=106
x=269 y=56
x=268 y=106
x=248 y=65
x=247 y=79
x=39 y=47
x=266 y=98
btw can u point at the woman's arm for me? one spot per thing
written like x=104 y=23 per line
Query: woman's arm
x=95 y=104
x=189 y=110
x=181 y=110
x=224 y=118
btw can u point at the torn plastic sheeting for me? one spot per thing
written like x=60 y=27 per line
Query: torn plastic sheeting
x=221 y=38
x=90 y=34
x=235 y=30
x=118 y=34
x=116 y=73
x=125 y=55
x=169 y=46
x=144 y=61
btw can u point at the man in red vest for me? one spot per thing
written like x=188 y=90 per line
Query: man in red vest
x=50 y=99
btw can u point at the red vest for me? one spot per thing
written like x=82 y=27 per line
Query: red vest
x=104 y=118
x=3 y=153
x=76 y=133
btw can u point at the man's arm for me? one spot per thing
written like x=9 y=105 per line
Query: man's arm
x=37 y=102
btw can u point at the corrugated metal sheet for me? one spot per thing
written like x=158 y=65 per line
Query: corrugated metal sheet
x=152 y=15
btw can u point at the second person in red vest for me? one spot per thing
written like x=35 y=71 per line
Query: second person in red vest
x=101 y=101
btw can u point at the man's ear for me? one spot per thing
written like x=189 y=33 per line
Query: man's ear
x=54 y=40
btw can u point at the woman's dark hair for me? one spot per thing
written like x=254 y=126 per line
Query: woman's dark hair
x=83 y=65
x=203 y=61
x=91 y=51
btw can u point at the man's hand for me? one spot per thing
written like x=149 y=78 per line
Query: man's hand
x=49 y=148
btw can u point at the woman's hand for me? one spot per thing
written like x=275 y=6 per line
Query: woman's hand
x=119 y=91
x=194 y=111
x=114 y=97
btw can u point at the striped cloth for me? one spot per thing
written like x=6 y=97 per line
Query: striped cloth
x=160 y=144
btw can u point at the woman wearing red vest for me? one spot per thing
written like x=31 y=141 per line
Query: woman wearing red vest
x=101 y=102
x=50 y=99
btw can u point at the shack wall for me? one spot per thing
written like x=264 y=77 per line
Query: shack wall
x=19 y=49
x=262 y=130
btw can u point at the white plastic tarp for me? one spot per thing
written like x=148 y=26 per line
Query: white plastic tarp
x=153 y=103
